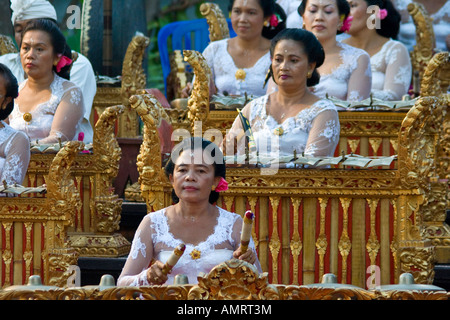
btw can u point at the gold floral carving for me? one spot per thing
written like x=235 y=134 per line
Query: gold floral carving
x=322 y=243
x=49 y=216
x=373 y=245
x=274 y=243
x=345 y=245
x=105 y=206
x=218 y=26
x=233 y=279
x=436 y=75
x=6 y=45
x=296 y=242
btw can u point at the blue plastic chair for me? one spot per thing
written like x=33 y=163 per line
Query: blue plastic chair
x=183 y=35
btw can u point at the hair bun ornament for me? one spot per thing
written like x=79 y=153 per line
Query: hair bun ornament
x=346 y=24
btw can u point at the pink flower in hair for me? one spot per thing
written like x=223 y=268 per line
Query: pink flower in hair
x=222 y=186
x=382 y=14
x=273 y=21
x=63 y=61
x=346 y=24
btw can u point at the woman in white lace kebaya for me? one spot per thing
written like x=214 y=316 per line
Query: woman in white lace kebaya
x=49 y=108
x=389 y=58
x=291 y=118
x=14 y=145
x=211 y=234
x=345 y=73
x=239 y=65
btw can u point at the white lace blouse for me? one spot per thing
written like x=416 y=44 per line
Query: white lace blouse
x=391 y=71
x=351 y=80
x=224 y=71
x=59 y=117
x=14 y=155
x=314 y=131
x=153 y=239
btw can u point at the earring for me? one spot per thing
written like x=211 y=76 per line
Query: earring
x=213 y=188
x=309 y=74
x=266 y=23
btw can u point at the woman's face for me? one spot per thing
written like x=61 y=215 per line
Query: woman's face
x=321 y=17
x=37 y=53
x=193 y=176
x=247 y=18
x=290 y=64
x=358 y=10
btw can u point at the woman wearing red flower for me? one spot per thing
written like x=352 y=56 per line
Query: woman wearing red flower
x=239 y=65
x=49 y=107
x=345 y=73
x=211 y=235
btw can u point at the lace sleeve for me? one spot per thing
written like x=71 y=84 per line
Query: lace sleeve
x=397 y=75
x=236 y=240
x=324 y=134
x=68 y=116
x=360 y=81
x=17 y=154
x=134 y=272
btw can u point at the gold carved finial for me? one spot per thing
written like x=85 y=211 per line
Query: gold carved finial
x=425 y=40
x=218 y=26
x=198 y=103
x=149 y=162
x=133 y=79
x=436 y=76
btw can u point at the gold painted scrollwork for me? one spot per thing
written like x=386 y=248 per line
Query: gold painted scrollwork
x=198 y=103
x=105 y=204
x=218 y=26
x=62 y=200
x=233 y=279
x=6 y=45
x=149 y=162
x=133 y=79
x=425 y=40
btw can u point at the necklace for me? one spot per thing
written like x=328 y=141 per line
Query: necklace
x=279 y=131
x=193 y=219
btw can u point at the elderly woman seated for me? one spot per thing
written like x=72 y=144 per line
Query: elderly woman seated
x=14 y=145
x=211 y=235
x=291 y=119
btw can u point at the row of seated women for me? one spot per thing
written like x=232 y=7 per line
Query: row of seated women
x=368 y=61
x=291 y=115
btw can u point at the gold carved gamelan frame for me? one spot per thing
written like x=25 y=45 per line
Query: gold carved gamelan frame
x=231 y=280
x=34 y=229
x=348 y=221
x=96 y=221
